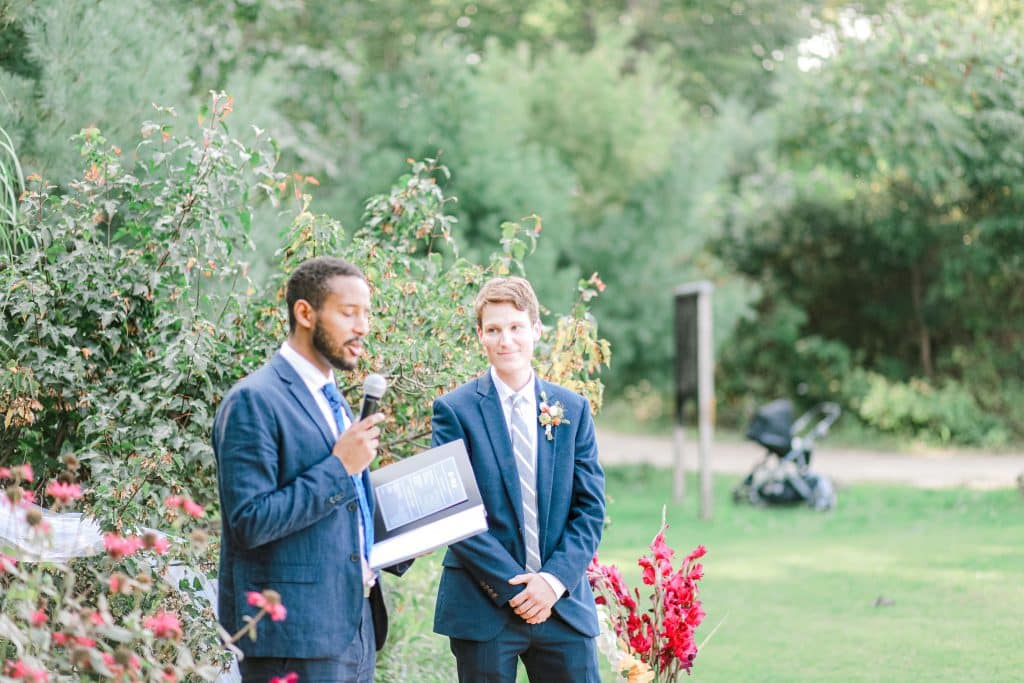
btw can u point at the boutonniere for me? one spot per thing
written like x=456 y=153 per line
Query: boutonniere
x=551 y=415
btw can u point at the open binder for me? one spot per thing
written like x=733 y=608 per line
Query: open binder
x=423 y=502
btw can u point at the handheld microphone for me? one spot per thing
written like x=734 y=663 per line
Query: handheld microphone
x=374 y=387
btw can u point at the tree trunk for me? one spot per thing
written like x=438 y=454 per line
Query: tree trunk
x=924 y=337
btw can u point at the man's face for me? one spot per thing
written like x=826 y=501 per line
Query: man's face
x=342 y=322
x=508 y=336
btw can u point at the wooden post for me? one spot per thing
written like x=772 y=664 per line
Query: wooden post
x=695 y=380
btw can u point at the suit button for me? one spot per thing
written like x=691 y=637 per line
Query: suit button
x=352 y=507
x=355 y=557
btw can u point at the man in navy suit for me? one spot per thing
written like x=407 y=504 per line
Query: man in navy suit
x=519 y=590
x=293 y=482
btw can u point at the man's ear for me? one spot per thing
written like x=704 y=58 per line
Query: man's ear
x=537 y=330
x=305 y=314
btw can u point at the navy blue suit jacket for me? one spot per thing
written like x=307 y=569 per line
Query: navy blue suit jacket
x=472 y=599
x=290 y=518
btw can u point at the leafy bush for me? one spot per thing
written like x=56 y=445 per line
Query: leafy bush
x=943 y=414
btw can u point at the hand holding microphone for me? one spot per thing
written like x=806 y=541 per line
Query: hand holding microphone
x=357 y=446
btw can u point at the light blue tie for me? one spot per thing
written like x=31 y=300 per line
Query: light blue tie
x=524 y=452
x=334 y=400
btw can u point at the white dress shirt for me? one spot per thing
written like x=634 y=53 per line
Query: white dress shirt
x=527 y=407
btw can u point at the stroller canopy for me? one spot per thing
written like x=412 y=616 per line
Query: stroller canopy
x=772 y=426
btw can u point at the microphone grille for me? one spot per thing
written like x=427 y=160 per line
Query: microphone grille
x=374 y=385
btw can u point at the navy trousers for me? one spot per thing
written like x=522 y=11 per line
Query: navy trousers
x=552 y=653
x=354 y=665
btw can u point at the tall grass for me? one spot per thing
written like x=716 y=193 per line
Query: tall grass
x=12 y=180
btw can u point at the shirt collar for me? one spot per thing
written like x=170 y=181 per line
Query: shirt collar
x=505 y=391
x=309 y=373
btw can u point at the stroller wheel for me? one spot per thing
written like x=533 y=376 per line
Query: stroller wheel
x=823 y=496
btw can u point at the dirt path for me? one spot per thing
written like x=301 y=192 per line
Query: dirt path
x=926 y=469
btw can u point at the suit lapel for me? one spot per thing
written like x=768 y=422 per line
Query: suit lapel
x=546 y=451
x=302 y=396
x=501 y=444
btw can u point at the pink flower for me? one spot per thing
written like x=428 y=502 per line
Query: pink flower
x=38 y=618
x=7 y=563
x=25 y=472
x=156 y=542
x=192 y=508
x=23 y=671
x=63 y=493
x=117 y=583
x=649 y=576
x=270 y=601
x=287 y=678
x=697 y=553
x=173 y=502
x=5 y=473
x=256 y=599
x=118 y=547
x=164 y=625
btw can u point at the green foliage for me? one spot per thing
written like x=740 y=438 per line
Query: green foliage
x=133 y=313
x=944 y=414
x=889 y=217
x=91 y=64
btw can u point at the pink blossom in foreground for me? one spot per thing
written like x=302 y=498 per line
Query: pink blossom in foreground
x=118 y=546
x=22 y=671
x=287 y=678
x=270 y=601
x=63 y=494
x=164 y=625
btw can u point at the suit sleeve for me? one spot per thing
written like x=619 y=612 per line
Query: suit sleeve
x=256 y=509
x=568 y=562
x=483 y=556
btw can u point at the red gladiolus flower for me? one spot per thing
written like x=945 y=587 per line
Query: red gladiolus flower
x=661 y=639
x=649 y=577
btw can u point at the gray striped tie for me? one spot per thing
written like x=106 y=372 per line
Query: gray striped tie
x=523 y=450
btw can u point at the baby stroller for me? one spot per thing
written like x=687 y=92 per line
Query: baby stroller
x=784 y=476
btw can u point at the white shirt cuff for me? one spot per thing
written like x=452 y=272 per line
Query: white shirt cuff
x=555 y=584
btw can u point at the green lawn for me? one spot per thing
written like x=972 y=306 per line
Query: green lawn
x=796 y=591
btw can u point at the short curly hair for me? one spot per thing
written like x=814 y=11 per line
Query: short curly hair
x=309 y=282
